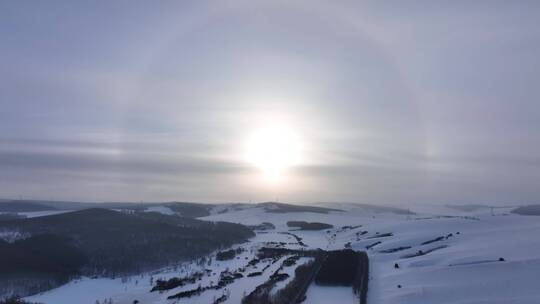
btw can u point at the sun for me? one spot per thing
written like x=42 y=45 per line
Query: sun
x=273 y=149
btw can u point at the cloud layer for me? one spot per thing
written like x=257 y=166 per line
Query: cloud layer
x=396 y=103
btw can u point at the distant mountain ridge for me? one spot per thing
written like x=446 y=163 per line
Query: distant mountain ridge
x=184 y=209
x=372 y=208
x=275 y=207
x=527 y=210
x=23 y=206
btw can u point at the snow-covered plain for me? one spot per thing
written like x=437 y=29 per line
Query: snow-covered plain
x=464 y=266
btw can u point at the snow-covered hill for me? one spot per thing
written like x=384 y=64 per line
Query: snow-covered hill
x=443 y=255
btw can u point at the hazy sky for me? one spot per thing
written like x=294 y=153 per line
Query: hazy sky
x=392 y=101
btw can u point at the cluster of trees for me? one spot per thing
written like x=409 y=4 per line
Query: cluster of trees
x=309 y=226
x=396 y=249
x=228 y=254
x=380 y=235
x=339 y=268
x=14 y=300
x=38 y=263
x=423 y=252
x=273 y=207
x=263 y=226
x=440 y=238
x=162 y=285
x=361 y=280
x=226 y=278
x=224 y=297
x=373 y=245
x=296 y=237
x=261 y=294
x=295 y=290
x=346 y=268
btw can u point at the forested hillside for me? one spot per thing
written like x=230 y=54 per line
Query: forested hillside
x=106 y=242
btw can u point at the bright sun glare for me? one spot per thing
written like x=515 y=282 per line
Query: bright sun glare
x=273 y=149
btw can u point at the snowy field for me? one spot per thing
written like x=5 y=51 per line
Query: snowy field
x=443 y=256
